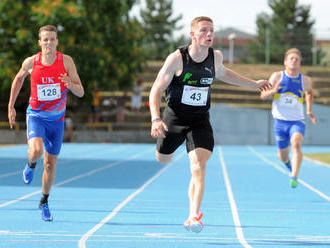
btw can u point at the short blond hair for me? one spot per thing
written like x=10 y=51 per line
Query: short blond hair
x=198 y=19
x=293 y=50
x=49 y=28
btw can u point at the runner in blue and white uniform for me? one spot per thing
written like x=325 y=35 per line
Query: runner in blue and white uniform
x=289 y=89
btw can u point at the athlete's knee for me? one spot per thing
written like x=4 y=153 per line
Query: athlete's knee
x=163 y=158
x=283 y=156
x=35 y=153
x=296 y=147
x=198 y=169
x=49 y=167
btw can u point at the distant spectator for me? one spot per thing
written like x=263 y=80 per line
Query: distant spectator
x=95 y=106
x=136 y=97
x=68 y=132
x=121 y=109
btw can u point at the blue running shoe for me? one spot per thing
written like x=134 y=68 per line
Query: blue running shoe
x=27 y=174
x=288 y=165
x=45 y=213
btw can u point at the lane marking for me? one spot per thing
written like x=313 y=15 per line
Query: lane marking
x=11 y=173
x=89 y=173
x=67 y=160
x=280 y=168
x=317 y=162
x=83 y=239
x=234 y=211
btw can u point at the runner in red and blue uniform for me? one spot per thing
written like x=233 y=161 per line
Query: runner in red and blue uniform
x=53 y=74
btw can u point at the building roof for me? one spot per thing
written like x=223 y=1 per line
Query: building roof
x=224 y=33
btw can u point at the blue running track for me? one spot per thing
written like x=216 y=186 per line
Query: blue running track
x=118 y=196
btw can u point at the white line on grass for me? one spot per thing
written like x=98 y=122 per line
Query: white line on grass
x=317 y=162
x=280 y=168
x=89 y=173
x=83 y=239
x=234 y=211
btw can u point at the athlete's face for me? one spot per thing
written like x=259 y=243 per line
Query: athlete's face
x=203 y=33
x=292 y=61
x=48 y=42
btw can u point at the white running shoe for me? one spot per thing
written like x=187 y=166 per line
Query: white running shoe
x=194 y=224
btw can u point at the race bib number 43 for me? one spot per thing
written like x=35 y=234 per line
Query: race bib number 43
x=195 y=96
x=48 y=92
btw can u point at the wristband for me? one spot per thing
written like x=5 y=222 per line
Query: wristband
x=156 y=119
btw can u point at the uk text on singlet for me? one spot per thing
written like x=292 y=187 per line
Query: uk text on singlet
x=191 y=91
x=48 y=92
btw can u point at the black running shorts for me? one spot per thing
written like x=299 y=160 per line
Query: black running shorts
x=195 y=129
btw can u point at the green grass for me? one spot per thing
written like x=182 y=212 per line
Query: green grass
x=322 y=157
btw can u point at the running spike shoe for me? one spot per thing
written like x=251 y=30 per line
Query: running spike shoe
x=45 y=213
x=27 y=174
x=293 y=182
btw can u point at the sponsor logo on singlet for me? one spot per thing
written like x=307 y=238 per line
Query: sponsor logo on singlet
x=206 y=80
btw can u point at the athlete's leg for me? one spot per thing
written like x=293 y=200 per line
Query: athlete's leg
x=47 y=182
x=164 y=158
x=49 y=172
x=297 y=156
x=198 y=160
x=36 y=146
x=282 y=141
x=283 y=154
x=35 y=134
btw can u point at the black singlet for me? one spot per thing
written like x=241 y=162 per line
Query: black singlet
x=191 y=91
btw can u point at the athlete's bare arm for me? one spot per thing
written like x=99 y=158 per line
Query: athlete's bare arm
x=172 y=66
x=274 y=80
x=231 y=77
x=71 y=79
x=307 y=82
x=16 y=88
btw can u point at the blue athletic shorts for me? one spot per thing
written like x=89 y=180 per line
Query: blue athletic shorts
x=284 y=130
x=51 y=132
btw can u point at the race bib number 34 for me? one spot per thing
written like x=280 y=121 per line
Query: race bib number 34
x=48 y=92
x=289 y=100
x=195 y=96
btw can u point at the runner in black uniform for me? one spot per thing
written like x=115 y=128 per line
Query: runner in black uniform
x=187 y=76
x=190 y=120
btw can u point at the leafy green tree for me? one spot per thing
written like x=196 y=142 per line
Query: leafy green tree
x=101 y=37
x=159 y=25
x=288 y=26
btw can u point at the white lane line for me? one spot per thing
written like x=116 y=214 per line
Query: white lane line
x=234 y=211
x=83 y=239
x=11 y=173
x=81 y=157
x=317 y=162
x=89 y=173
x=280 y=168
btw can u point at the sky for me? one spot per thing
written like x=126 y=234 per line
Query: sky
x=242 y=14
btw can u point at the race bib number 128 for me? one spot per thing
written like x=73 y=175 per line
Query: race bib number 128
x=48 y=92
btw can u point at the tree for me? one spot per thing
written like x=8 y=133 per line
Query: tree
x=159 y=26
x=288 y=26
x=101 y=37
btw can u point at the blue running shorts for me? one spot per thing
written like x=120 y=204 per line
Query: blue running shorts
x=51 y=132
x=284 y=130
